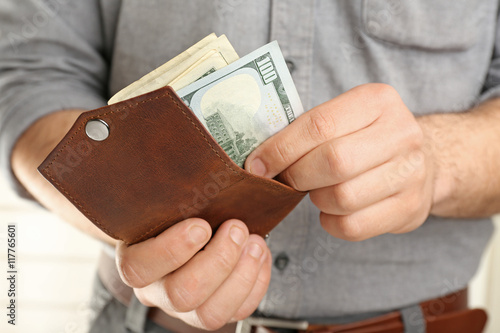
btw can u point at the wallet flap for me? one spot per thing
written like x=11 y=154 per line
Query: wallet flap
x=158 y=166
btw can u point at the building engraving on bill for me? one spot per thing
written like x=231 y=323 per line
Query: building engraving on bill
x=230 y=140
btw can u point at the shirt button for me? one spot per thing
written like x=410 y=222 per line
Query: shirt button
x=281 y=261
x=291 y=65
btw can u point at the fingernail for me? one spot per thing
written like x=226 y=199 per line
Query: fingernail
x=237 y=235
x=255 y=251
x=198 y=234
x=257 y=167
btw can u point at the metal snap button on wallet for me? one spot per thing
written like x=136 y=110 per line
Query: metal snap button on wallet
x=97 y=129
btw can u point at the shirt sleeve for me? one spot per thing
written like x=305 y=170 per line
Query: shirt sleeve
x=51 y=59
x=491 y=87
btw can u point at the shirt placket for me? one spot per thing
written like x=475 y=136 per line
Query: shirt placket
x=292 y=25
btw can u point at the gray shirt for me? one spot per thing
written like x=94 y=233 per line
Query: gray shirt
x=60 y=54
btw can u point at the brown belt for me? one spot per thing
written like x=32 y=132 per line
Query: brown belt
x=445 y=314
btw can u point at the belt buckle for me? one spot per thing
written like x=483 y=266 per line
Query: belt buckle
x=245 y=326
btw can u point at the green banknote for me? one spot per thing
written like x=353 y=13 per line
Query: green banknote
x=245 y=102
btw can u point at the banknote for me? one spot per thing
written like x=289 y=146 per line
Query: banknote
x=245 y=102
x=206 y=56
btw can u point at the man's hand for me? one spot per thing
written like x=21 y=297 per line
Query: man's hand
x=224 y=282
x=361 y=157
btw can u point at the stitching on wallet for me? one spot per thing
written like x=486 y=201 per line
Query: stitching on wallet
x=203 y=135
x=68 y=142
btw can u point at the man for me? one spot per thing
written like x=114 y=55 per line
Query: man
x=399 y=201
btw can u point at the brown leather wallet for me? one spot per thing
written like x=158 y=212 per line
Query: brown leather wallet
x=158 y=166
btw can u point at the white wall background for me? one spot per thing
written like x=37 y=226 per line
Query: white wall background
x=56 y=267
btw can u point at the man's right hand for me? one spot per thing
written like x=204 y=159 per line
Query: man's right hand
x=222 y=283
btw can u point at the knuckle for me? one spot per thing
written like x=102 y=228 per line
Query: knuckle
x=417 y=217
x=385 y=98
x=320 y=127
x=283 y=151
x=181 y=298
x=344 y=197
x=130 y=273
x=417 y=204
x=211 y=319
x=349 y=229
x=337 y=162
x=224 y=261
x=420 y=170
x=246 y=309
x=170 y=256
x=411 y=205
x=242 y=314
x=383 y=91
x=247 y=281
x=415 y=135
x=320 y=200
x=416 y=223
x=289 y=178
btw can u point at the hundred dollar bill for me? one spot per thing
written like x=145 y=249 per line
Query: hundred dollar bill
x=245 y=102
x=205 y=57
